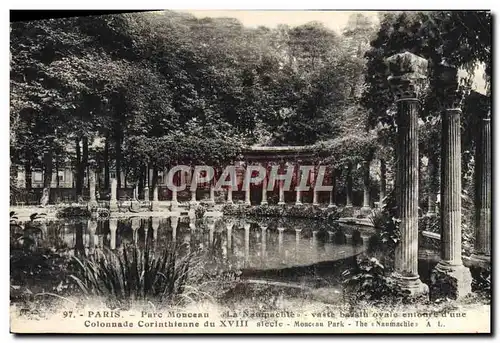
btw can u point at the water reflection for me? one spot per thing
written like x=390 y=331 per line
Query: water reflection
x=224 y=242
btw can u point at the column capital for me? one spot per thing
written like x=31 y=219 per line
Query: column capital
x=409 y=76
x=448 y=88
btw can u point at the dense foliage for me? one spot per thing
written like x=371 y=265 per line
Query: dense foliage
x=127 y=92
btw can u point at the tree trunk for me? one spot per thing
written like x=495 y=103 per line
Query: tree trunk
x=47 y=177
x=106 y=162
x=79 y=171
x=154 y=178
x=118 y=153
x=27 y=175
x=57 y=172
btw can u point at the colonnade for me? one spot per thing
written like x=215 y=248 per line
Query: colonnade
x=408 y=81
x=299 y=195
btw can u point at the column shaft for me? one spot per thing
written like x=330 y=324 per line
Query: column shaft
x=482 y=247
x=113 y=203
x=383 y=181
x=314 y=177
x=298 y=194
x=406 y=262
x=264 y=191
x=451 y=189
x=348 y=202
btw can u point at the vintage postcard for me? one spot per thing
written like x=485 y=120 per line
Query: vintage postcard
x=250 y=172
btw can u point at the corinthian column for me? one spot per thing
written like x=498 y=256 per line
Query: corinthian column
x=155 y=202
x=314 y=177
x=264 y=190
x=331 y=202
x=450 y=277
x=298 y=194
x=248 y=175
x=92 y=201
x=482 y=247
x=366 y=187
x=348 y=193
x=409 y=73
x=383 y=181
x=113 y=203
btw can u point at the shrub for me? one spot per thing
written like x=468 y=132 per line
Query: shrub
x=199 y=211
x=481 y=281
x=292 y=211
x=73 y=211
x=132 y=273
x=368 y=281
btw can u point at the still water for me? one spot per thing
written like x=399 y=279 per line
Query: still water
x=227 y=243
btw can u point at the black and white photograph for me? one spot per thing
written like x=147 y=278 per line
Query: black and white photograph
x=250 y=171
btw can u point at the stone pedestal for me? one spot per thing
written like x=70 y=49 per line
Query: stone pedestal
x=450 y=278
x=450 y=281
x=482 y=247
x=348 y=201
x=407 y=81
x=113 y=203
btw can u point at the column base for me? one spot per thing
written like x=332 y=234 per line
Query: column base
x=450 y=281
x=135 y=205
x=281 y=203
x=92 y=204
x=413 y=285
x=332 y=206
x=348 y=205
x=298 y=203
x=431 y=214
x=263 y=203
x=315 y=203
x=481 y=260
x=113 y=206
x=248 y=203
x=366 y=210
